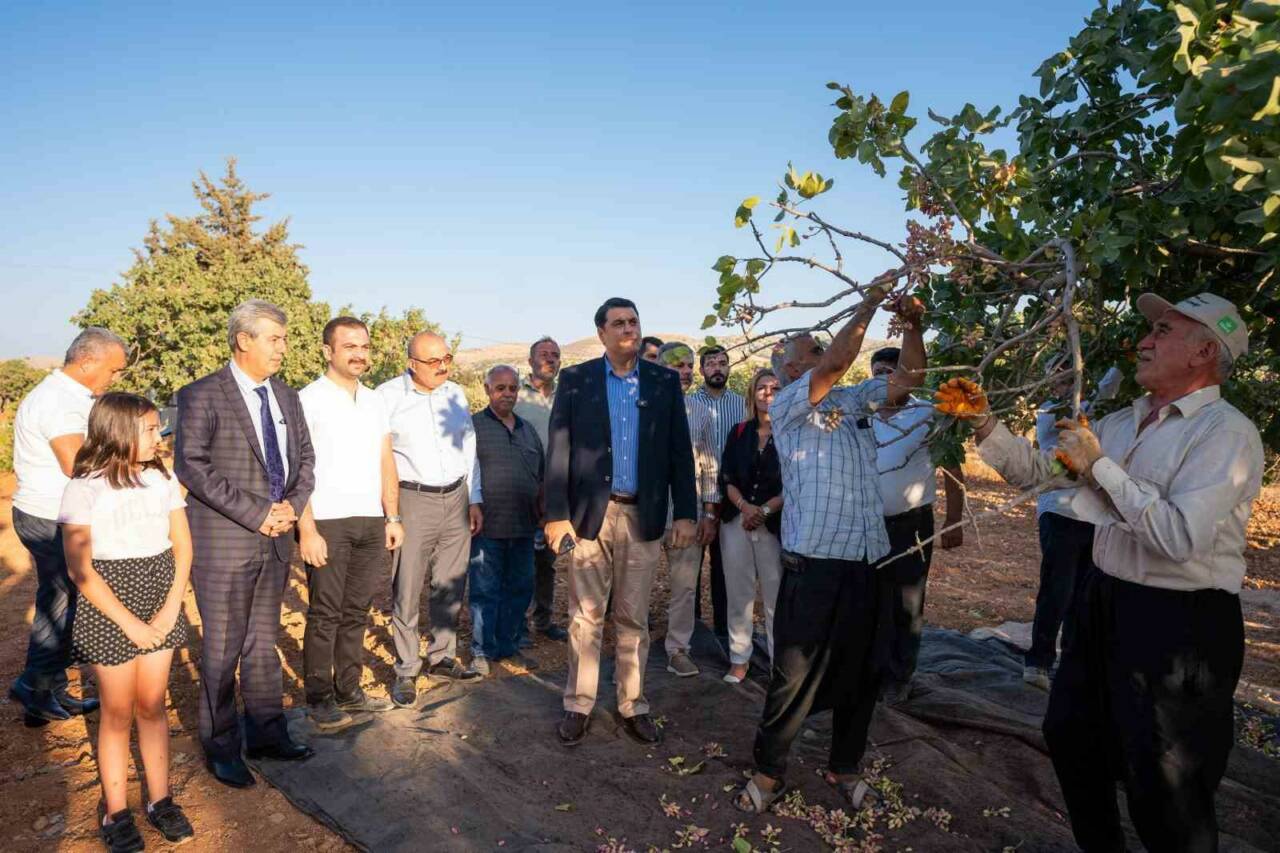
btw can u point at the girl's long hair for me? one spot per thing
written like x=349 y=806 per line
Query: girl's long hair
x=751 y=390
x=110 y=448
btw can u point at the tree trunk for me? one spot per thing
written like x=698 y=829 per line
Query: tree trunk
x=955 y=506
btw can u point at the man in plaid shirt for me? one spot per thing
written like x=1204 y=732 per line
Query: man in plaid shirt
x=832 y=534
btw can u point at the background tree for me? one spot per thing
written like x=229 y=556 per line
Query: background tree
x=1149 y=159
x=172 y=304
x=16 y=379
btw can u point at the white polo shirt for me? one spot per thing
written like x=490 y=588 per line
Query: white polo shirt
x=58 y=406
x=347 y=434
x=907 y=479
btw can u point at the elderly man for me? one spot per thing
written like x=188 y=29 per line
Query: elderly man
x=908 y=487
x=1144 y=689
x=47 y=431
x=537 y=396
x=434 y=444
x=244 y=454
x=619 y=448
x=833 y=532
x=722 y=410
x=351 y=522
x=684 y=564
x=501 y=572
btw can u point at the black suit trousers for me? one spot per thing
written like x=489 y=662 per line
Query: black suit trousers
x=240 y=623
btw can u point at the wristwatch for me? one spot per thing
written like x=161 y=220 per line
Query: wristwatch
x=766 y=510
x=392 y=519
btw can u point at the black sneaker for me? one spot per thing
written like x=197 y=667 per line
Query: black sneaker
x=120 y=833
x=328 y=717
x=167 y=817
x=362 y=703
x=450 y=669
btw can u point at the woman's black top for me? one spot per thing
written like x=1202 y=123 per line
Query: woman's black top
x=754 y=472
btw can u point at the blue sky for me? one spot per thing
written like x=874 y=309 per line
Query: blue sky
x=504 y=166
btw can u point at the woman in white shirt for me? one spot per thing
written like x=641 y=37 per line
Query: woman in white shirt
x=128 y=550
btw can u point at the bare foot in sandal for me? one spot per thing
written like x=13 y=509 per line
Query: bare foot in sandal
x=853 y=789
x=758 y=794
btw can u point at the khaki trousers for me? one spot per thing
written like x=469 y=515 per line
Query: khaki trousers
x=618 y=560
x=683 y=564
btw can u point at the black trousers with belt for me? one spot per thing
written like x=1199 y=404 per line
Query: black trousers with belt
x=902 y=587
x=824 y=628
x=339 y=594
x=1144 y=695
x=1066 y=553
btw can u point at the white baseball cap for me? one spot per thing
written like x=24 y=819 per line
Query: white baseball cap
x=1208 y=309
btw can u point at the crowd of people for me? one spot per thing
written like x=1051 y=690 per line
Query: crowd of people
x=814 y=496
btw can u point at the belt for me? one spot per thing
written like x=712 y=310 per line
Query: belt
x=431 y=490
x=627 y=500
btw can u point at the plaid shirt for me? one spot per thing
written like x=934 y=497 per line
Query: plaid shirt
x=831 y=506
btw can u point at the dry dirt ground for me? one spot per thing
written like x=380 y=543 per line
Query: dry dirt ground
x=48 y=782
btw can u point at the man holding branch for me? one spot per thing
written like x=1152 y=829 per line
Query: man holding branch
x=1144 y=689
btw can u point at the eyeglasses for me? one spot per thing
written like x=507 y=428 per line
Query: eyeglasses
x=433 y=363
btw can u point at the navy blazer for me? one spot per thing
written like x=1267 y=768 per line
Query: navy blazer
x=218 y=458
x=579 y=451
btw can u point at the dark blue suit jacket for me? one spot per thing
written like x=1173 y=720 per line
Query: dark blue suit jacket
x=579 y=448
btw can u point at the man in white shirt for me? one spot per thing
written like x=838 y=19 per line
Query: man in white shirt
x=434 y=444
x=351 y=521
x=1145 y=688
x=908 y=487
x=47 y=431
x=537 y=396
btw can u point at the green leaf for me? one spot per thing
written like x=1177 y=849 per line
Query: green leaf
x=709 y=340
x=898 y=105
x=755 y=266
x=741 y=845
x=1272 y=106
x=709 y=321
x=725 y=263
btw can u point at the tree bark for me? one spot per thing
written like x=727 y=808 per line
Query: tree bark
x=955 y=506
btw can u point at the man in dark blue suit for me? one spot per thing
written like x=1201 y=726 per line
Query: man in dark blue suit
x=618 y=446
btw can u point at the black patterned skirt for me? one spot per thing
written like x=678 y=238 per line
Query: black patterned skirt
x=142 y=584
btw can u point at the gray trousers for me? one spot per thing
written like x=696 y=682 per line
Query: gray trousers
x=437 y=545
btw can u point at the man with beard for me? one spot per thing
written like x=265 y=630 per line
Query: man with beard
x=684 y=564
x=352 y=520
x=537 y=396
x=721 y=410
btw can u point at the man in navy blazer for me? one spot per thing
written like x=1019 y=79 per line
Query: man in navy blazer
x=244 y=453
x=618 y=445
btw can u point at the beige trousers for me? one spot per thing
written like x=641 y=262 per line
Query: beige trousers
x=618 y=560
x=747 y=560
x=682 y=565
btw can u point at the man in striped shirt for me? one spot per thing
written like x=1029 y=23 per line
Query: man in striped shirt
x=722 y=410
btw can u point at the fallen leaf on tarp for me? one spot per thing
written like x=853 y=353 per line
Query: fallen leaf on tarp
x=564 y=807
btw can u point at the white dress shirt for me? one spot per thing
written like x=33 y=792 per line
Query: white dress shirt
x=1172 y=502
x=248 y=390
x=347 y=434
x=57 y=406
x=432 y=435
x=907 y=478
x=123 y=523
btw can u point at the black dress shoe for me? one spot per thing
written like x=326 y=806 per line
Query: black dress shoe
x=642 y=729
x=555 y=632
x=230 y=771
x=41 y=705
x=286 y=751
x=572 y=728
x=73 y=706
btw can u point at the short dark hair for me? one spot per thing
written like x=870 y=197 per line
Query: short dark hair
x=326 y=337
x=707 y=352
x=889 y=354
x=650 y=341
x=613 y=302
x=545 y=339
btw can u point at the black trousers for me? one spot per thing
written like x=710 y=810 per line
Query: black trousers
x=824 y=628
x=339 y=594
x=719 y=598
x=49 y=644
x=544 y=588
x=1066 y=553
x=902 y=587
x=1144 y=695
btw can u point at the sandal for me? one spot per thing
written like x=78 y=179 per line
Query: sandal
x=752 y=800
x=853 y=791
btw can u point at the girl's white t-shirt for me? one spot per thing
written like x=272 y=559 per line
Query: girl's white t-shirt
x=123 y=523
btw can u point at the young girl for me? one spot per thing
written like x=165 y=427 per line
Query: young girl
x=129 y=552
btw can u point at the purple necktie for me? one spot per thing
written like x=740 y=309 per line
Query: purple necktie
x=271 y=448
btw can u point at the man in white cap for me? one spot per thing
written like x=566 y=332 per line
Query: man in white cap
x=1144 y=689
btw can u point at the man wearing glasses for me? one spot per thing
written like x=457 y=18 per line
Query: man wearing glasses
x=434 y=444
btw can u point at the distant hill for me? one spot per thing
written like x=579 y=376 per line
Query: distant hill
x=43 y=362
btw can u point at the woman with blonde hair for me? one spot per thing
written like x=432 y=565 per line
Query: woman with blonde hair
x=750 y=522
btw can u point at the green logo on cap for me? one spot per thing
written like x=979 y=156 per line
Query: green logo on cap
x=1227 y=325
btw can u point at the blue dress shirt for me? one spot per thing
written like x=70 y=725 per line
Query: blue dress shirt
x=624 y=428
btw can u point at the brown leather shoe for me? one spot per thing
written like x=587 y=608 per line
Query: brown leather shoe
x=642 y=729
x=573 y=728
